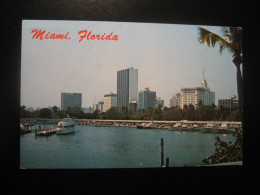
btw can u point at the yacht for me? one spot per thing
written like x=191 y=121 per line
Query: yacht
x=150 y=125
x=66 y=126
x=224 y=128
x=208 y=128
x=194 y=128
x=175 y=127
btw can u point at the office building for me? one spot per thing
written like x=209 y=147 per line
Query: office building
x=100 y=106
x=147 y=99
x=132 y=107
x=195 y=95
x=70 y=100
x=110 y=100
x=159 y=101
x=231 y=103
x=127 y=87
x=175 y=100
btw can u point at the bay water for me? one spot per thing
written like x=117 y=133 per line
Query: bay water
x=93 y=147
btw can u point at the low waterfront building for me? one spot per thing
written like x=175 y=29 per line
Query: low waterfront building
x=100 y=106
x=30 y=109
x=133 y=107
x=87 y=110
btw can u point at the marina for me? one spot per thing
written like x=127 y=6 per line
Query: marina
x=217 y=127
x=93 y=146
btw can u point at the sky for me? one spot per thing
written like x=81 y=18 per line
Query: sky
x=168 y=57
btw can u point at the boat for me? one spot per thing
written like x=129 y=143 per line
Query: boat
x=66 y=126
x=208 y=128
x=175 y=127
x=224 y=128
x=185 y=127
x=194 y=128
x=150 y=125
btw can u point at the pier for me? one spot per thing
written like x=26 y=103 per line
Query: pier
x=45 y=131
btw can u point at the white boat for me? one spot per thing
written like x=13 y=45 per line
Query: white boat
x=175 y=127
x=224 y=128
x=66 y=126
x=194 y=128
x=208 y=128
x=150 y=125
x=185 y=127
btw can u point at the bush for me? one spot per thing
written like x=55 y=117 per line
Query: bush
x=227 y=152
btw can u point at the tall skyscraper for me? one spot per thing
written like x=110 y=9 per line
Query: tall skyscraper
x=147 y=99
x=70 y=100
x=127 y=86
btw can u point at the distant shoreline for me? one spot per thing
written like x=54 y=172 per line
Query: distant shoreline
x=134 y=121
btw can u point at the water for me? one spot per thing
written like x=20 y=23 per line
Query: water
x=115 y=147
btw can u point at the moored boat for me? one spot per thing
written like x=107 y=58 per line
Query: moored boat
x=150 y=125
x=66 y=126
x=175 y=127
x=224 y=128
x=185 y=127
x=208 y=128
x=194 y=128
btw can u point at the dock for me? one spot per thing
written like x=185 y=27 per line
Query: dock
x=45 y=131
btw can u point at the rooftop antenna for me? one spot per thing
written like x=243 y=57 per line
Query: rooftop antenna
x=203 y=72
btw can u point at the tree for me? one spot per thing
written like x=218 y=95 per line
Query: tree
x=112 y=113
x=24 y=113
x=77 y=112
x=45 y=113
x=158 y=112
x=54 y=109
x=232 y=42
x=227 y=152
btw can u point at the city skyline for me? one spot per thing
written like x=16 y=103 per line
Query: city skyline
x=168 y=57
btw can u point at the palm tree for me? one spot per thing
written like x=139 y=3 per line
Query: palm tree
x=232 y=42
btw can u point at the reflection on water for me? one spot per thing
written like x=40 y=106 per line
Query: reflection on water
x=115 y=147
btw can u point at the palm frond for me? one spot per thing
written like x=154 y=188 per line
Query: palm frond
x=211 y=39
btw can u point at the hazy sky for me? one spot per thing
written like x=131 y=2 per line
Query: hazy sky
x=168 y=57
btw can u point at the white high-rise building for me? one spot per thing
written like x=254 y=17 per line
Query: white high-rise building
x=194 y=95
x=127 y=86
x=110 y=100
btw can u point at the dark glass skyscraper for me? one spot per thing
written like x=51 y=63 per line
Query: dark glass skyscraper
x=70 y=100
x=127 y=86
x=147 y=99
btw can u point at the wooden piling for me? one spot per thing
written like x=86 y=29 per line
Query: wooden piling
x=162 y=159
x=167 y=162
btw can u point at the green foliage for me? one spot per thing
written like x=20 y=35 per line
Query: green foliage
x=199 y=113
x=112 y=113
x=24 y=113
x=227 y=152
x=45 y=113
x=75 y=112
x=235 y=115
